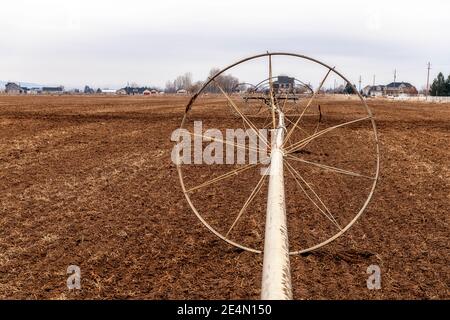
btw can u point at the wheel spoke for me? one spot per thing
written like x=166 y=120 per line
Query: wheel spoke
x=335 y=169
x=258 y=107
x=327 y=214
x=248 y=148
x=268 y=120
x=302 y=143
x=249 y=123
x=222 y=177
x=307 y=106
x=255 y=191
x=317 y=126
x=284 y=102
x=292 y=123
x=272 y=103
x=304 y=131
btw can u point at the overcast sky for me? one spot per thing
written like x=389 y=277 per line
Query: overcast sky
x=107 y=43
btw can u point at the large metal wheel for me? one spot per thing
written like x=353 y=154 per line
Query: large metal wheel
x=348 y=137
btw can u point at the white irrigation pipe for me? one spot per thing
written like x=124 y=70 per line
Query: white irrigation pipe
x=276 y=277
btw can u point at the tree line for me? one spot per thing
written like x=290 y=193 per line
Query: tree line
x=184 y=82
x=440 y=86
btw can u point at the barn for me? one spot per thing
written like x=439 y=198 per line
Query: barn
x=51 y=90
x=14 y=88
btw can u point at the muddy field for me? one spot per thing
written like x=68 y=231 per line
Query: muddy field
x=89 y=181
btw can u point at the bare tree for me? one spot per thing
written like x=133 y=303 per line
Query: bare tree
x=170 y=87
x=195 y=86
x=181 y=82
x=226 y=81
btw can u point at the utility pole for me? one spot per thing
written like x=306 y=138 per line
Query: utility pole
x=428 y=80
x=373 y=81
x=359 y=83
x=395 y=75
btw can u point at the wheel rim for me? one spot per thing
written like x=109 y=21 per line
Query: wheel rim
x=362 y=208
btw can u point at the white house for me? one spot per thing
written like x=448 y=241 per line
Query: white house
x=108 y=91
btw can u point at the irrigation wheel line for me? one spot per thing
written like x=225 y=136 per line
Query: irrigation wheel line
x=259 y=93
x=264 y=83
x=289 y=151
x=248 y=87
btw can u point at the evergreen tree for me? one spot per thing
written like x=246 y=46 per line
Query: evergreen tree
x=88 y=90
x=447 y=85
x=349 y=89
x=439 y=87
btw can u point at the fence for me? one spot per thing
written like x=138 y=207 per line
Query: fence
x=430 y=99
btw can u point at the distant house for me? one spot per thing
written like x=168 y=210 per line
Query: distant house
x=400 y=88
x=377 y=91
x=121 y=91
x=137 y=90
x=366 y=91
x=182 y=91
x=392 y=89
x=283 y=84
x=53 y=90
x=134 y=90
x=14 y=88
x=374 y=91
x=34 y=90
x=108 y=91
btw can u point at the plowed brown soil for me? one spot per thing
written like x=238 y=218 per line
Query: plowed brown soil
x=88 y=181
